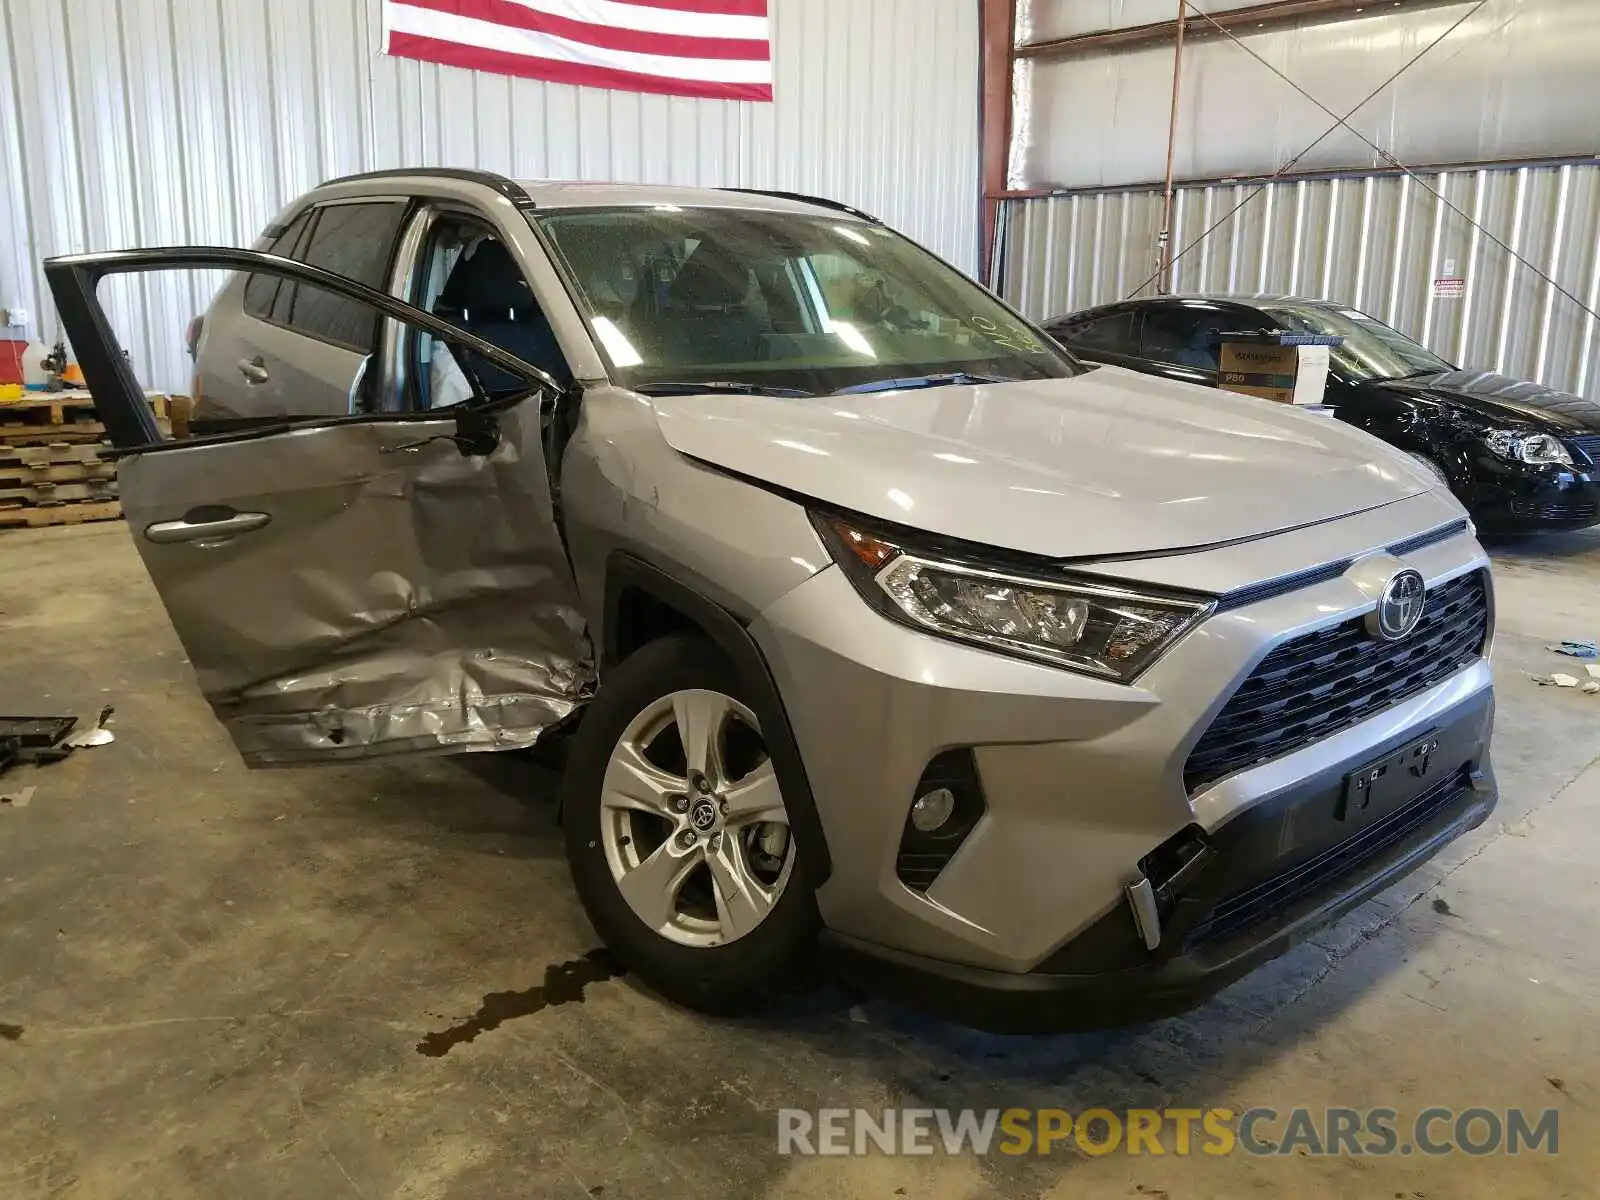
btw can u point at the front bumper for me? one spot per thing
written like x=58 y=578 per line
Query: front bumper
x=1082 y=778
x=1254 y=907
x=1509 y=498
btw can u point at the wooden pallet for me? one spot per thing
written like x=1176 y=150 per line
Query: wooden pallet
x=34 y=516
x=63 y=408
x=57 y=493
x=12 y=478
x=16 y=472
x=83 y=432
x=49 y=454
x=42 y=408
x=51 y=472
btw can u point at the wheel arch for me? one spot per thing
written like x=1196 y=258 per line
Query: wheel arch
x=642 y=603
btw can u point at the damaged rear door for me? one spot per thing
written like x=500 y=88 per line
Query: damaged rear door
x=350 y=586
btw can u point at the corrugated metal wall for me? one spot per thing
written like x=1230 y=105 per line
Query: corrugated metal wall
x=145 y=122
x=1374 y=241
x=1516 y=80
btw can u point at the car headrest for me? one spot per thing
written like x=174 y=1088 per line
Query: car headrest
x=703 y=282
x=487 y=285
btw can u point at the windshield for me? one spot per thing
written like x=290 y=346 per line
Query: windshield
x=1371 y=349
x=783 y=300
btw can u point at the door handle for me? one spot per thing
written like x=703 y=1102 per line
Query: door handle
x=207 y=528
x=254 y=369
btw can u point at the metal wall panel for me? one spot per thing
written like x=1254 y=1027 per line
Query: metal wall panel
x=1067 y=18
x=1376 y=242
x=1517 y=80
x=143 y=122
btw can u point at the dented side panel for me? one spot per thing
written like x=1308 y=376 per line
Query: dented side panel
x=402 y=598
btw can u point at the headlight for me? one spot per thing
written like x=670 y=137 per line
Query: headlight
x=1536 y=448
x=1099 y=629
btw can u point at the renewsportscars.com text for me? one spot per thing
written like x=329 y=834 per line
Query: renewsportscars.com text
x=1175 y=1131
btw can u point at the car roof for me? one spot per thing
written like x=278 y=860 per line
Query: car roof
x=1256 y=300
x=545 y=194
x=1265 y=300
x=563 y=193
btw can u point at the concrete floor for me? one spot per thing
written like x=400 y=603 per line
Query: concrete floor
x=216 y=983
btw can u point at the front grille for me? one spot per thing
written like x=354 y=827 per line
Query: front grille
x=1582 y=511
x=1326 y=681
x=1256 y=592
x=1282 y=891
x=1588 y=445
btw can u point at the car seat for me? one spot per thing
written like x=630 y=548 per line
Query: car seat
x=486 y=294
x=1201 y=351
x=705 y=318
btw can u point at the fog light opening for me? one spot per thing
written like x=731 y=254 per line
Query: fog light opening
x=941 y=811
x=931 y=811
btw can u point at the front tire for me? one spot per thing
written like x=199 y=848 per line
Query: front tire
x=678 y=837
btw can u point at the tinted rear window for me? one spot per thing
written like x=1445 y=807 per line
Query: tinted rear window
x=260 y=291
x=353 y=240
x=1113 y=333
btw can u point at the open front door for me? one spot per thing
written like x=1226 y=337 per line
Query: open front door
x=354 y=586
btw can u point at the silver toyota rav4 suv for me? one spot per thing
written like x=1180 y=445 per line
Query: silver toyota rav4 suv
x=1042 y=694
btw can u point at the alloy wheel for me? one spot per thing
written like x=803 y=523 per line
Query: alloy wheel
x=692 y=820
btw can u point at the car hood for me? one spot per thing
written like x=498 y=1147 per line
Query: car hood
x=1499 y=399
x=1107 y=462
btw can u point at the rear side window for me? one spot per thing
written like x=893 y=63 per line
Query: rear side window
x=261 y=291
x=1113 y=333
x=1183 y=337
x=353 y=240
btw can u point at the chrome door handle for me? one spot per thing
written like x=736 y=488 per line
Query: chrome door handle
x=254 y=369
x=212 y=529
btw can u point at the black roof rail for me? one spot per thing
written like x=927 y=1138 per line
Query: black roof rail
x=509 y=188
x=802 y=198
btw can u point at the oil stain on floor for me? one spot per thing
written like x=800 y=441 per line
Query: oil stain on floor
x=563 y=984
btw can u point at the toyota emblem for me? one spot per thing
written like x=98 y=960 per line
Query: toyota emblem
x=1400 y=606
x=703 y=816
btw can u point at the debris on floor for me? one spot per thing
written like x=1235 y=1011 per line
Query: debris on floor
x=19 y=799
x=1563 y=680
x=1576 y=649
x=33 y=740
x=96 y=735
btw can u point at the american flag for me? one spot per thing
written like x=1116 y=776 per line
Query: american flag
x=715 y=48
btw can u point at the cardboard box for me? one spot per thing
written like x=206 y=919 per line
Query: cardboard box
x=1294 y=373
x=1267 y=372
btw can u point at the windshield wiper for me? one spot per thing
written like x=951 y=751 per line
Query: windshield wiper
x=734 y=387
x=948 y=379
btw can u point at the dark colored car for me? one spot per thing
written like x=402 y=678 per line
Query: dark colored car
x=1522 y=458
